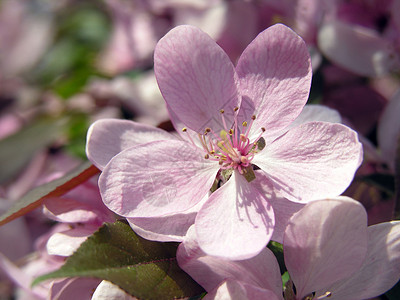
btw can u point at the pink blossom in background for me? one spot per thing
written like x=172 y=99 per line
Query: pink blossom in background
x=362 y=36
x=329 y=253
x=23 y=27
x=252 y=104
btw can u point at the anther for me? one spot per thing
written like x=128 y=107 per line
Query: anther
x=222 y=111
x=263 y=129
x=184 y=129
x=326 y=295
x=230 y=131
x=243 y=137
x=253 y=117
x=244 y=124
x=236 y=108
x=206 y=156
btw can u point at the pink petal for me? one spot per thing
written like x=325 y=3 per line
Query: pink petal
x=312 y=113
x=312 y=161
x=73 y=288
x=275 y=77
x=16 y=274
x=107 y=290
x=261 y=270
x=235 y=290
x=357 y=49
x=389 y=129
x=172 y=228
x=69 y=210
x=108 y=137
x=325 y=242
x=67 y=242
x=236 y=222
x=196 y=77
x=283 y=208
x=381 y=268
x=316 y=112
x=156 y=179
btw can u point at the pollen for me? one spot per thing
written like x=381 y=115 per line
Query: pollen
x=232 y=147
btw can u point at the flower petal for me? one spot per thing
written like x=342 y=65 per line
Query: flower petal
x=283 y=208
x=67 y=242
x=196 y=77
x=107 y=290
x=73 y=288
x=108 y=137
x=311 y=113
x=156 y=179
x=325 y=242
x=381 y=268
x=357 y=49
x=261 y=270
x=171 y=228
x=312 y=161
x=275 y=77
x=236 y=222
x=235 y=290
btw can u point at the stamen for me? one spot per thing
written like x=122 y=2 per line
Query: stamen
x=232 y=147
x=184 y=129
x=326 y=295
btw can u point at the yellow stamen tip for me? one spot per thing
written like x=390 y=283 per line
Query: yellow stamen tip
x=222 y=111
x=244 y=124
x=184 y=129
x=236 y=108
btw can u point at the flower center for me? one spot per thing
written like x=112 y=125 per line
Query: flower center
x=232 y=147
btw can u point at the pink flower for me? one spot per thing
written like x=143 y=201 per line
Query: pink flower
x=362 y=36
x=328 y=250
x=232 y=119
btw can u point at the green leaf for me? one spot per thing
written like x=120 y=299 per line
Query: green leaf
x=55 y=188
x=144 y=269
x=277 y=249
x=16 y=150
x=285 y=279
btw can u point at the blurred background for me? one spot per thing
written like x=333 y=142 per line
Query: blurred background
x=65 y=64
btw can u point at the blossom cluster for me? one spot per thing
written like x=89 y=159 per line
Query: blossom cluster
x=257 y=158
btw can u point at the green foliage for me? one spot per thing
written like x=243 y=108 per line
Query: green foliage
x=277 y=249
x=70 y=62
x=76 y=134
x=144 y=269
